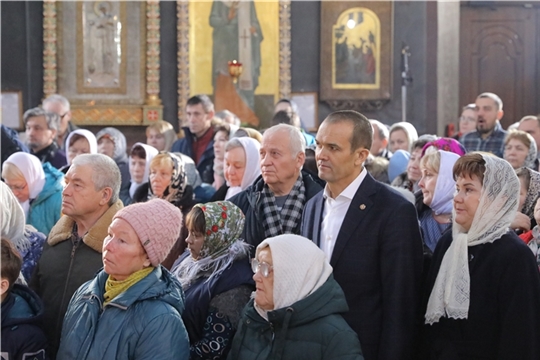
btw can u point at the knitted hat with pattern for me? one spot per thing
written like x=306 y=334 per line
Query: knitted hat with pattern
x=157 y=223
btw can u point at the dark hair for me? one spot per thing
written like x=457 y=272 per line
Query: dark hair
x=195 y=221
x=207 y=104
x=419 y=144
x=226 y=128
x=281 y=117
x=470 y=165
x=138 y=151
x=11 y=262
x=525 y=175
x=73 y=139
x=362 y=134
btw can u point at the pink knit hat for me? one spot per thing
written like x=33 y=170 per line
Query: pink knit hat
x=157 y=222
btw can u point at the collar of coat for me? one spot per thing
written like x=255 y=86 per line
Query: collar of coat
x=95 y=235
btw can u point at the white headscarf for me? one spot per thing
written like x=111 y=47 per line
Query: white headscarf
x=299 y=266
x=88 y=135
x=150 y=153
x=33 y=173
x=496 y=210
x=445 y=186
x=12 y=218
x=252 y=171
x=409 y=129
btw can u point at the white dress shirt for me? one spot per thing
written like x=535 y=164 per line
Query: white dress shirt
x=334 y=213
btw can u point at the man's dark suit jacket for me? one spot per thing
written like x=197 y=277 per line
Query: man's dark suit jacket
x=377 y=260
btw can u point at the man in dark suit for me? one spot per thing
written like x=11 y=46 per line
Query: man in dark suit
x=371 y=236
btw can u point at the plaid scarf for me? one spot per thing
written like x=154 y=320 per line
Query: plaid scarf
x=285 y=221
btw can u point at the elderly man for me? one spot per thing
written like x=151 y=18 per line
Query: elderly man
x=274 y=203
x=198 y=142
x=380 y=140
x=371 y=237
x=531 y=124
x=58 y=104
x=41 y=130
x=489 y=135
x=72 y=254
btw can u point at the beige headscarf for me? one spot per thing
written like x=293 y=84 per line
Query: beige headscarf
x=300 y=268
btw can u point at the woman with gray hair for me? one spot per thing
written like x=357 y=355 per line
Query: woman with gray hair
x=297 y=302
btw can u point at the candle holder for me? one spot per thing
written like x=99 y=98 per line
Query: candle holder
x=235 y=70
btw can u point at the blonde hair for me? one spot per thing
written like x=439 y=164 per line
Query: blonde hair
x=162 y=159
x=522 y=136
x=11 y=171
x=166 y=129
x=431 y=161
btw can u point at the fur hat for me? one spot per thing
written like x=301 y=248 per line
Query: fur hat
x=157 y=223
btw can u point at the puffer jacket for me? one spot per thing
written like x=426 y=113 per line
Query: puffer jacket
x=22 y=336
x=311 y=328
x=250 y=202
x=142 y=323
x=46 y=209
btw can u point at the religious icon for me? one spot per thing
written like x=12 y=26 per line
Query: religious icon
x=356 y=50
x=237 y=35
x=102 y=48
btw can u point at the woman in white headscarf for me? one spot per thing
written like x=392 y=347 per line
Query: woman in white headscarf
x=79 y=141
x=438 y=186
x=28 y=241
x=295 y=311
x=483 y=287
x=402 y=136
x=140 y=157
x=38 y=187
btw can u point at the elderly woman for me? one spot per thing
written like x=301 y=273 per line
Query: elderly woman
x=169 y=181
x=132 y=308
x=409 y=179
x=520 y=150
x=79 y=141
x=402 y=136
x=38 y=187
x=483 y=287
x=26 y=239
x=438 y=186
x=295 y=312
x=529 y=192
x=140 y=157
x=161 y=135
x=112 y=142
x=241 y=166
x=215 y=276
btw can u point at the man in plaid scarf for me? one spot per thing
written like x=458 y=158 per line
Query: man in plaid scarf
x=274 y=203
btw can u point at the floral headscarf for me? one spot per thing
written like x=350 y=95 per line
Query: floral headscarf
x=222 y=244
x=446 y=144
x=224 y=225
x=177 y=187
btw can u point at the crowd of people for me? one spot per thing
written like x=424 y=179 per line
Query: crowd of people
x=364 y=240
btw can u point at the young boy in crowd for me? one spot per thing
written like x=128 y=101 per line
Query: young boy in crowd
x=22 y=310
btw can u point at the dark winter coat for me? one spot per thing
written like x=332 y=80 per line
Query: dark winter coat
x=250 y=202
x=22 y=336
x=311 y=328
x=52 y=154
x=504 y=311
x=206 y=162
x=144 y=322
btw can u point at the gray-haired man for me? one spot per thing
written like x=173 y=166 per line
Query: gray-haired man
x=41 y=130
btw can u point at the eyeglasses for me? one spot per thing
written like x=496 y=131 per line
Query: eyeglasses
x=15 y=187
x=263 y=268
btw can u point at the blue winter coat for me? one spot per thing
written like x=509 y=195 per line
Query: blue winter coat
x=46 y=209
x=142 y=323
x=22 y=336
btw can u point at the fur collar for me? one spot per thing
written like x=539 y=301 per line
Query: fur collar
x=94 y=237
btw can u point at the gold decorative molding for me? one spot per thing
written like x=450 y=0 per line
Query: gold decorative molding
x=182 y=31
x=107 y=115
x=152 y=52
x=284 y=49
x=49 y=47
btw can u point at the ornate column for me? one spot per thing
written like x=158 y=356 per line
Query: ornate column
x=284 y=49
x=153 y=110
x=182 y=31
x=49 y=47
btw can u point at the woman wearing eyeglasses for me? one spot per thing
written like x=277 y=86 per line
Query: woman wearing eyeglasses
x=216 y=277
x=38 y=187
x=295 y=313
